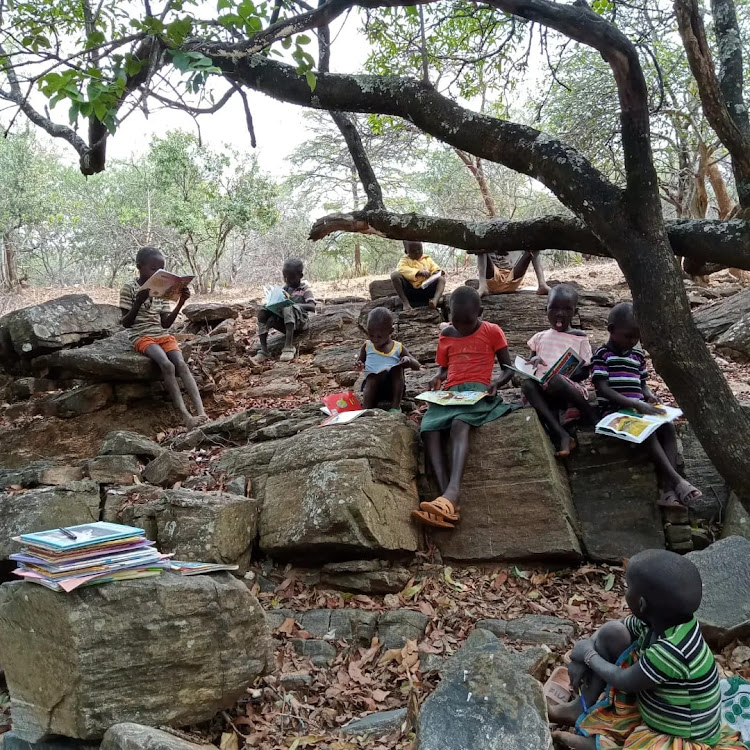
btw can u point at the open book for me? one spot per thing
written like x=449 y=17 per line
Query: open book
x=634 y=427
x=452 y=398
x=167 y=285
x=568 y=363
x=276 y=299
x=343 y=417
x=428 y=282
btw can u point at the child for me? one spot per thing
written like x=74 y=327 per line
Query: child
x=293 y=319
x=466 y=353
x=619 y=377
x=412 y=271
x=383 y=361
x=661 y=677
x=498 y=276
x=560 y=393
x=146 y=318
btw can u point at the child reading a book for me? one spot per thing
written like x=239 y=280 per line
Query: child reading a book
x=383 y=361
x=409 y=278
x=619 y=376
x=467 y=350
x=146 y=319
x=660 y=677
x=292 y=319
x=560 y=393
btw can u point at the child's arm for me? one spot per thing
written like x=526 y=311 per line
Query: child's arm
x=582 y=373
x=433 y=267
x=437 y=381
x=168 y=318
x=604 y=390
x=360 y=363
x=408 y=361
x=648 y=394
x=631 y=680
x=309 y=304
x=409 y=272
x=129 y=316
x=503 y=358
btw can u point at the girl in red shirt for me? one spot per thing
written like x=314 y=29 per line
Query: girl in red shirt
x=467 y=350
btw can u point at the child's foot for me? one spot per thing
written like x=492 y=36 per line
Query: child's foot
x=287 y=354
x=668 y=499
x=442 y=508
x=542 y=290
x=565 y=714
x=192 y=422
x=567 y=446
x=407 y=307
x=430 y=519
x=262 y=356
x=432 y=304
x=573 y=741
x=687 y=493
x=483 y=291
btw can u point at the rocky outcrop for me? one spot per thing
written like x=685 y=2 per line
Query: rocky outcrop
x=713 y=320
x=128 y=736
x=168 y=468
x=735 y=342
x=210 y=312
x=169 y=650
x=82 y=400
x=124 y=443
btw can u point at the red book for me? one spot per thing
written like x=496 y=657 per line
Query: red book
x=344 y=401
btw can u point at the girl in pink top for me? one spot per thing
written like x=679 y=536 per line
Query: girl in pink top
x=560 y=393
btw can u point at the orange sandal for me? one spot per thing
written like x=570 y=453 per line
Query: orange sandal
x=430 y=519
x=557 y=688
x=442 y=508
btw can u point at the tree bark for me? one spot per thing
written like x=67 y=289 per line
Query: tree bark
x=477 y=172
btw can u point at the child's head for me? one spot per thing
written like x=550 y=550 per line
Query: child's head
x=664 y=588
x=413 y=249
x=380 y=327
x=562 y=305
x=148 y=261
x=466 y=307
x=623 y=329
x=293 y=270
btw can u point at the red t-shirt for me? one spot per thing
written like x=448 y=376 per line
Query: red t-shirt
x=470 y=359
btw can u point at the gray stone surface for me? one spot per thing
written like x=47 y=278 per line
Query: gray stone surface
x=57 y=475
x=123 y=443
x=276 y=618
x=700 y=471
x=736 y=520
x=533 y=629
x=320 y=653
x=724 y=613
x=82 y=400
x=128 y=736
x=735 y=342
x=194 y=644
x=340 y=624
x=398 y=626
x=45 y=508
x=381 y=288
x=11 y=741
x=168 y=468
x=515 y=502
x=113 y=469
x=376 y=724
x=484 y=701
x=23 y=476
x=295 y=681
x=210 y=312
x=366 y=576
x=715 y=319
x=614 y=491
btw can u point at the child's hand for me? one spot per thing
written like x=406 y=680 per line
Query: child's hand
x=184 y=294
x=576 y=672
x=536 y=360
x=359 y=365
x=425 y=274
x=492 y=389
x=435 y=383
x=643 y=408
x=141 y=296
x=581 y=649
x=410 y=362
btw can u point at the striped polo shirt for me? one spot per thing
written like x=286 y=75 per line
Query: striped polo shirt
x=624 y=373
x=687 y=701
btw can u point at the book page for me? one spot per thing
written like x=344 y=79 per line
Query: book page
x=432 y=279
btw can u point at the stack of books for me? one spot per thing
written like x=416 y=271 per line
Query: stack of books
x=68 y=558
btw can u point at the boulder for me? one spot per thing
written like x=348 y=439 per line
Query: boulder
x=715 y=319
x=123 y=443
x=381 y=288
x=724 y=613
x=736 y=520
x=533 y=629
x=344 y=491
x=356 y=625
x=484 y=700
x=378 y=723
x=366 y=576
x=418 y=330
x=58 y=323
x=515 y=500
x=614 y=490
x=700 y=471
x=128 y=736
x=337 y=358
x=735 y=342
x=168 y=468
x=194 y=645
x=22 y=389
x=82 y=400
x=398 y=626
x=56 y=475
x=45 y=508
x=113 y=469
x=24 y=477
x=210 y=312
x=196 y=526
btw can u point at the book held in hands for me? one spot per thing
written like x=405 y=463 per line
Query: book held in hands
x=634 y=427
x=566 y=365
x=452 y=398
x=167 y=285
x=276 y=299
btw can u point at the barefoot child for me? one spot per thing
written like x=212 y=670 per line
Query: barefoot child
x=466 y=353
x=146 y=319
x=498 y=276
x=383 y=361
x=619 y=377
x=412 y=271
x=560 y=393
x=293 y=319
x=659 y=678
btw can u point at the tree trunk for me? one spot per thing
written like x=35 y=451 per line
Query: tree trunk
x=476 y=170
x=355 y=205
x=9 y=280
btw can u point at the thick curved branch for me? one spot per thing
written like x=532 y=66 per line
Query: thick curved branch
x=723 y=242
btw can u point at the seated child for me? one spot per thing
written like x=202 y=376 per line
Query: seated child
x=412 y=270
x=619 y=377
x=466 y=353
x=498 y=276
x=560 y=393
x=293 y=319
x=660 y=677
x=146 y=317
x=383 y=361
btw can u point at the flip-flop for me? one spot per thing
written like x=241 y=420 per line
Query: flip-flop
x=565 y=454
x=557 y=688
x=287 y=355
x=688 y=493
x=668 y=499
x=441 y=507
x=429 y=519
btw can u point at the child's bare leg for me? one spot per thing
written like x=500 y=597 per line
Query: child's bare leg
x=263 y=318
x=183 y=373
x=536 y=261
x=484 y=269
x=433 y=444
x=665 y=440
x=158 y=355
x=537 y=398
x=370 y=392
x=396 y=375
x=575 y=741
x=459 y=444
x=439 y=289
x=398 y=284
x=522 y=265
x=563 y=389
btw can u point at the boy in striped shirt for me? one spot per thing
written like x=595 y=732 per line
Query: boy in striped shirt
x=662 y=678
x=618 y=372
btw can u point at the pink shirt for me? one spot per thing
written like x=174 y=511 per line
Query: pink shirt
x=550 y=345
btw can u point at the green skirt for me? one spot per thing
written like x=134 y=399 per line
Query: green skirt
x=487 y=410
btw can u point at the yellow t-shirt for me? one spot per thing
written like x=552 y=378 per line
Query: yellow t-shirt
x=409 y=268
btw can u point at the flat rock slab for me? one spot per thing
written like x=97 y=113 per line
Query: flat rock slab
x=724 y=613
x=715 y=319
x=378 y=723
x=129 y=736
x=700 y=471
x=194 y=644
x=210 y=312
x=124 y=443
x=114 y=469
x=736 y=520
x=515 y=500
x=82 y=400
x=533 y=630
x=168 y=468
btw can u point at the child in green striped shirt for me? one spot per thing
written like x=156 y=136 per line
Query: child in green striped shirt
x=658 y=675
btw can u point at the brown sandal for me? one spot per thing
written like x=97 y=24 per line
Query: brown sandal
x=429 y=519
x=441 y=507
x=557 y=688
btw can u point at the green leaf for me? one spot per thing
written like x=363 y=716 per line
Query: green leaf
x=412 y=591
x=286 y=42
x=181 y=61
x=312 y=80
x=223 y=4
x=520 y=573
x=609 y=581
x=303 y=39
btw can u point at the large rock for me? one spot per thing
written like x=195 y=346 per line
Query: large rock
x=735 y=342
x=46 y=508
x=418 y=330
x=128 y=736
x=168 y=468
x=736 y=520
x=196 y=526
x=169 y=650
x=380 y=288
x=515 y=500
x=82 y=400
x=125 y=443
x=210 y=312
x=114 y=469
x=700 y=471
x=714 y=319
x=484 y=700
x=614 y=493
x=343 y=491
x=58 y=323
x=724 y=613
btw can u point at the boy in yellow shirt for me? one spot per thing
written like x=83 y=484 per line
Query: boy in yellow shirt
x=412 y=271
